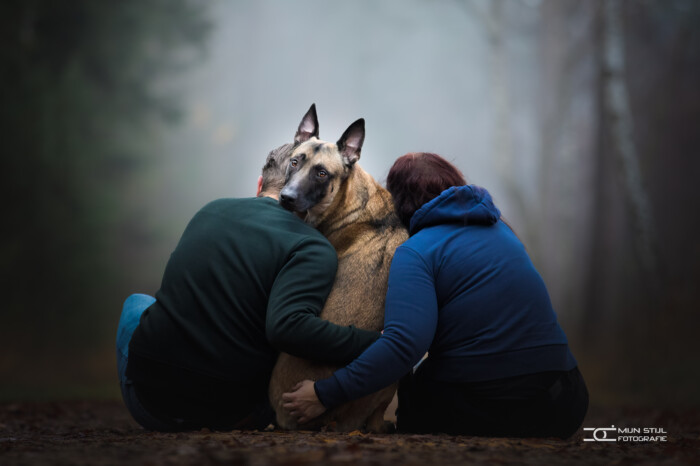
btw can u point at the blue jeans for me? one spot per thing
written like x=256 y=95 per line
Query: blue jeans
x=129 y=320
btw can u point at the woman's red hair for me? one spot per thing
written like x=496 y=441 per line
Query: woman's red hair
x=417 y=178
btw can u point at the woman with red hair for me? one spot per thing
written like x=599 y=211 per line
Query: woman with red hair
x=463 y=289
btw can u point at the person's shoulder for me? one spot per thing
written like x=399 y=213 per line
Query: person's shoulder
x=423 y=248
x=313 y=241
x=274 y=216
x=252 y=205
x=306 y=235
x=418 y=242
x=224 y=203
x=412 y=252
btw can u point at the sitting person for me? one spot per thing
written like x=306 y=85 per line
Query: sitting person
x=462 y=288
x=247 y=280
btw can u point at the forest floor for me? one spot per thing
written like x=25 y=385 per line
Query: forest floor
x=102 y=433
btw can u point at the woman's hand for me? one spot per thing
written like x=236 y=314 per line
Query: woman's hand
x=302 y=403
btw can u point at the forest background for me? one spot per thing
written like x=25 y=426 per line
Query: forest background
x=118 y=120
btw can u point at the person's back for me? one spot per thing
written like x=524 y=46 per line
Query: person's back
x=482 y=271
x=205 y=336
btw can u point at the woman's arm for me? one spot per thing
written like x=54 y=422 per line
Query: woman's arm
x=410 y=321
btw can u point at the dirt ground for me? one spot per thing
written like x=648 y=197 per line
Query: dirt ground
x=102 y=433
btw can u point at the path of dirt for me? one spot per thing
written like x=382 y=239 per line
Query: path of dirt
x=102 y=433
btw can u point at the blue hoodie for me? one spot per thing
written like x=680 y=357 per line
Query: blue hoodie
x=463 y=288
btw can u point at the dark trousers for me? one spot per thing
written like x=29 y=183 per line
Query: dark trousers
x=546 y=404
x=163 y=409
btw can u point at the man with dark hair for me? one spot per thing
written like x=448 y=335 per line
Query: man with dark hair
x=247 y=280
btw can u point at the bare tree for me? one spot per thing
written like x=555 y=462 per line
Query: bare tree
x=619 y=115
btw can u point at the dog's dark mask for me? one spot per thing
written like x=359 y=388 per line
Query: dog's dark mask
x=306 y=183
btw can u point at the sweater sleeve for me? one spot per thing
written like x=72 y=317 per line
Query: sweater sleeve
x=298 y=294
x=410 y=321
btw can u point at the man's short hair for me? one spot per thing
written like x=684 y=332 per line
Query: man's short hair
x=275 y=168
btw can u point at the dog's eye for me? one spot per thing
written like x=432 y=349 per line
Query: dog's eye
x=322 y=173
x=293 y=162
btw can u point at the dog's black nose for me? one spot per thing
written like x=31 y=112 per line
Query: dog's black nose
x=287 y=200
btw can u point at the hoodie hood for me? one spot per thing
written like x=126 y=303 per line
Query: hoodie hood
x=465 y=205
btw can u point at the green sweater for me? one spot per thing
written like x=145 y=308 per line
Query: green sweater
x=248 y=279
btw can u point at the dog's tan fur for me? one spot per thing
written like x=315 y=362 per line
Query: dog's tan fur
x=357 y=216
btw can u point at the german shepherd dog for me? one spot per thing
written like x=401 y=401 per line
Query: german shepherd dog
x=325 y=184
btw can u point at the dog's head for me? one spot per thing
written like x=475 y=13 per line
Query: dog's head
x=317 y=168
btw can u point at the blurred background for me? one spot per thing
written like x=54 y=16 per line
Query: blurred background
x=118 y=120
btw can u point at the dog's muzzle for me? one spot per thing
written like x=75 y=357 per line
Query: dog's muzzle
x=288 y=199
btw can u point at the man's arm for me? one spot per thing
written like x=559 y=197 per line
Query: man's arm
x=297 y=298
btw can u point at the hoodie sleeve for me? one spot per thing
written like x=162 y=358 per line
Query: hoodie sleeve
x=410 y=321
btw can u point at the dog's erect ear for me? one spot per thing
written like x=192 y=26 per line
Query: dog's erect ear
x=350 y=143
x=308 y=128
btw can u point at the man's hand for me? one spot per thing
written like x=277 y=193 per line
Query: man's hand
x=302 y=403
